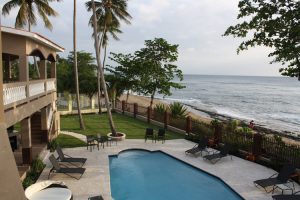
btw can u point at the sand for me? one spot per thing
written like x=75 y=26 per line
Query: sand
x=145 y=102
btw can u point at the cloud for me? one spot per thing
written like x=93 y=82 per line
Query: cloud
x=197 y=26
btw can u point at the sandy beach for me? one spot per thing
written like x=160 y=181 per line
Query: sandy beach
x=145 y=101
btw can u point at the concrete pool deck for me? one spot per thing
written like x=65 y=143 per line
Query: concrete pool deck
x=237 y=173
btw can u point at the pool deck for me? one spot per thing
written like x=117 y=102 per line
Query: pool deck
x=237 y=173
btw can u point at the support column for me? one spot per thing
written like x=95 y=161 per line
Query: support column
x=93 y=103
x=24 y=72
x=43 y=69
x=26 y=141
x=135 y=109
x=53 y=69
x=44 y=125
x=188 y=128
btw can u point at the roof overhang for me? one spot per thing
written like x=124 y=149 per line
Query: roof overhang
x=34 y=36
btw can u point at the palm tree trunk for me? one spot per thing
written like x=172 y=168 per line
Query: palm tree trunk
x=99 y=91
x=76 y=69
x=111 y=122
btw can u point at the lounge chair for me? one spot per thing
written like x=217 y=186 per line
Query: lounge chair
x=66 y=158
x=57 y=169
x=287 y=196
x=198 y=148
x=281 y=178
x=149 y=134
x=96 y=198
x=161 y=135
x=215 y=157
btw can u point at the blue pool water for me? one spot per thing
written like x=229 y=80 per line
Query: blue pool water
x=143 y=175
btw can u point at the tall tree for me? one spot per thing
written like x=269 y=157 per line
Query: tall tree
x=108 y=16
x=76 y=69
x=157 y=70
x=273 y=24
x=26 y=14
x=101 y=72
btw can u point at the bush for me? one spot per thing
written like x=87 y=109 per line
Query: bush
x=177 y=110
x=52 y=145
x=160 y=108
x=36 y=169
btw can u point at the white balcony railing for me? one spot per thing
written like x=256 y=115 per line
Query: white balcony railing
x=14 y=94
x=50 y=85
x=36 y=88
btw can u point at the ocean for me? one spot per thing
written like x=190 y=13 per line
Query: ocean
x=272 y=102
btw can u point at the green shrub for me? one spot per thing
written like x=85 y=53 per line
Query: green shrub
x=177 y=110
x=36 y=169
x=160 y=108
x=231 y=126
x=52 y=145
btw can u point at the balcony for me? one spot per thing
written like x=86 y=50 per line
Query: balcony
x=21 y=99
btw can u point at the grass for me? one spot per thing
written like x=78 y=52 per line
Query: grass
x=94 y=123
x=66 y=141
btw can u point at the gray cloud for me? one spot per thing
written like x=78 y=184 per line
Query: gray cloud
x=196 y=26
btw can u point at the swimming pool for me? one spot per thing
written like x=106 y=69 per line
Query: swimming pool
x=144 y=175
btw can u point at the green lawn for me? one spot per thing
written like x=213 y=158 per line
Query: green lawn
x=133 y=128
x=66 y=141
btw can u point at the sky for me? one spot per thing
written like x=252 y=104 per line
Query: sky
x=196 y=26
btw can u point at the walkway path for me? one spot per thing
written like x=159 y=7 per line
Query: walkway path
x=76 y=135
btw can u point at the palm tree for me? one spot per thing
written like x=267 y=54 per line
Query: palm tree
x=76 y=69
x=26 y=14
x=109 y=14
x=112 y=11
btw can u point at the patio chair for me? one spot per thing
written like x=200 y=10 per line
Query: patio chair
x=287 y=196
x=161 y=135
x=66 y=158
x=149 y=134
x=198 y=148
x=57 y=169
x=91 y=142
x=281 y=178
x=215 y=157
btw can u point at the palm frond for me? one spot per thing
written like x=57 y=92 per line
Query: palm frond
x=10 y=5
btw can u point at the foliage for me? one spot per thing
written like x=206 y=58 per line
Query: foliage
x=158 y=71
x=52 y=145
x=231 y=126
x=273 y=24
x=36 y=169
x=160 y=108
x=278 y=139
x=26 y=14
x=215 y=123
x=177 y=110
x=86 y=74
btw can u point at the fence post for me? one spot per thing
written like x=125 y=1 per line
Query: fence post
x=257 y=145
x=70 y=103
x=188 y=128
x=166 y=119
x=148 y=114
x=123 y=106
x=135 y=109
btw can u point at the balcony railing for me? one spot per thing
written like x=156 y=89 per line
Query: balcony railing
x=15 y=93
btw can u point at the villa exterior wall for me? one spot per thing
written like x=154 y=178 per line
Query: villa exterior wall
x=11 y=187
